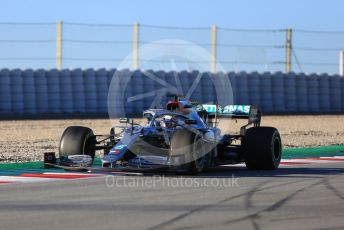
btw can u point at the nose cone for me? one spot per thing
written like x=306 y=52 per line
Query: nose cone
x=115 y=154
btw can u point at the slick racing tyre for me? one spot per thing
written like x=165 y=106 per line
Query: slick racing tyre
x=262 y=148
x=77 y=140
x=191 y=146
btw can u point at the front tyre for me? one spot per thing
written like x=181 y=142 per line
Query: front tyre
x=191 y=146
x=77 y=140
x=262 y=148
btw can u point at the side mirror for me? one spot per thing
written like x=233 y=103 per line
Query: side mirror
x=190 y=122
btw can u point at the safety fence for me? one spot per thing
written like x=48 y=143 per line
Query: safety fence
x=53 y=93
x=66 y=44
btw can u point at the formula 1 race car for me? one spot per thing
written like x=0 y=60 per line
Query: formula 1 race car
x=183 y=138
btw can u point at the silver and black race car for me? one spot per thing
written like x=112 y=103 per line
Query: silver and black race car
x=183 y=138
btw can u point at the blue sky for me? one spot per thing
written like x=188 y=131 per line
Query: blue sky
x=244 y=14
x=303 y=14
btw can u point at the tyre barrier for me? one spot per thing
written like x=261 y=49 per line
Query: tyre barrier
x=5 y=91
x=342 y=93
x=66 y=89
x=16 y=87
x=266 y=92
x=290 y=98
x=254 y=88
x=242 y=96
x=102 y=85
x=277 y=92
x=29 y=93
x=313 y=93
x=54 y=91
x=77 y=92
x=301 y=93
x=335 y=96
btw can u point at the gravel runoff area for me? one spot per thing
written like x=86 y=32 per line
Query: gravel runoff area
x=26 y=140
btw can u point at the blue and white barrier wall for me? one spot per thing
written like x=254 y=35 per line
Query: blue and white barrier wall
x=83 y=92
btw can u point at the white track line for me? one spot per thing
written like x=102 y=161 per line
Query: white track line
x=72 y=174
x=20 y=179
x=314 y=160
x=335 y=157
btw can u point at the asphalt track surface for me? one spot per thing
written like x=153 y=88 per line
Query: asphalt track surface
x=309 y=196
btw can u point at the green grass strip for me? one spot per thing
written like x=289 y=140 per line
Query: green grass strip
x=324 y=151
x=21 y=165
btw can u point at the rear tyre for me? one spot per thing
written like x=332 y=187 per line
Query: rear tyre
x=262 y=148
x=77 y=140
x=191 y=146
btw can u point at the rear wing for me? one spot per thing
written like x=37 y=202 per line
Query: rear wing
x=250 y=112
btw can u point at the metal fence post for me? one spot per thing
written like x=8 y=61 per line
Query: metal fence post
x=59 y=45
x=288 y=50
x=341 y=63
x=136 y=47
x=213 y=48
